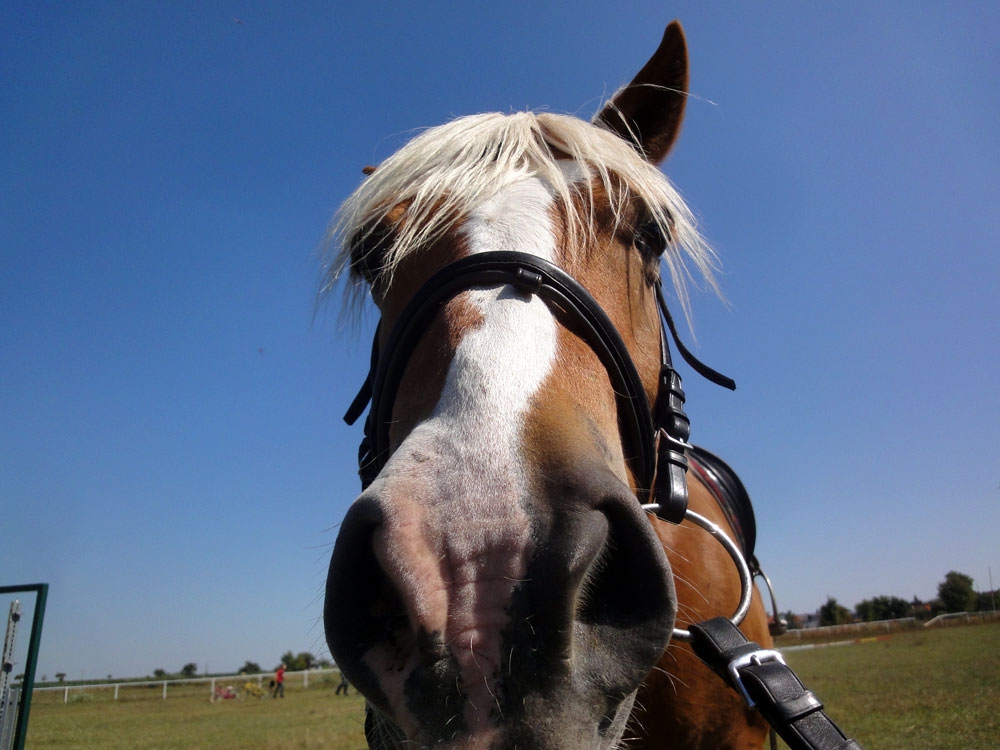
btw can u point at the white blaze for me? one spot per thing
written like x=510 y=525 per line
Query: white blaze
x=461 y=538
x=507 y=358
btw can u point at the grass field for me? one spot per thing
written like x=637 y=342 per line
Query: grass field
x=305 y=719
x=934 y=688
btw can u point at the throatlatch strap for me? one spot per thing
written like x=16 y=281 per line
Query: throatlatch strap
x=697 y=365
x=766 y=683
x=360 y=402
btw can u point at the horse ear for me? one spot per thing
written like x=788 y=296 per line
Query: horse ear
x=648 y=112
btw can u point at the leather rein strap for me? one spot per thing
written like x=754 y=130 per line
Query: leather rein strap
x=767 y=684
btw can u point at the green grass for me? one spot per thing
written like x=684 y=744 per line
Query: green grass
x=935 y=688
x=927 y=688
x=142 y=720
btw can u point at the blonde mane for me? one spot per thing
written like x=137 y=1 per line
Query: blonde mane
x=446 y=171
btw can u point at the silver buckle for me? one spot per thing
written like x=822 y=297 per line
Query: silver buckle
x=757 y=657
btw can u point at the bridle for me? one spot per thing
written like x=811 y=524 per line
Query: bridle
x=658 y=435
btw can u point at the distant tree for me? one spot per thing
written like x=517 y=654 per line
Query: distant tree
x=250 y=667
x=956 y=594
x=159 y=674
x=833 y=613
x=865 y=610
x=297 y=662
x=987 y=601
x=882 y=608
x=61 y=676
x=189 y=670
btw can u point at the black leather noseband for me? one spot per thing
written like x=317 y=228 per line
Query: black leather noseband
x=657 y=437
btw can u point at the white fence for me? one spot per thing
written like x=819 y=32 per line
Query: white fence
x=963 y=618
x=861 y=629
x=857 y=629
x=217 y=681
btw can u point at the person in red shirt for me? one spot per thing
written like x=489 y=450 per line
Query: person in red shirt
x=279 y=682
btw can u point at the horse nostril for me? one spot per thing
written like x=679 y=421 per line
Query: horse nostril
x=362 y=606
x=630 y=583
x=616 y=712
x=625 y=608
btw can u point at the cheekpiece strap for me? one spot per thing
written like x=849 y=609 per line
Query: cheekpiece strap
x=669 y=487
x=668 y=490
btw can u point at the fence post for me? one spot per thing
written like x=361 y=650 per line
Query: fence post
x=7 y=664
x=211 y=695
x=305 y=680
x=28 y=681
x=164 y=690
x=116 y=692
x=66 y=694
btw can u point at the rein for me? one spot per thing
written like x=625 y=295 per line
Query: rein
x=658 y=434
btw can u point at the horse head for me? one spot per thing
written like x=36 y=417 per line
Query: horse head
x=497 y=583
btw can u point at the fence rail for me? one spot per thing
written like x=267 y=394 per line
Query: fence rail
x=962 y=618
x=855 y=629
x=212 y=682
x=861 y=629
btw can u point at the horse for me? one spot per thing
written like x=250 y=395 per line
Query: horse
x=518 y=569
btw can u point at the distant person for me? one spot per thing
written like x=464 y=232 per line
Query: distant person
x=279 y=683
x=343 y=684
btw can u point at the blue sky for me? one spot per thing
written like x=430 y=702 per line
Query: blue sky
x=172 y=460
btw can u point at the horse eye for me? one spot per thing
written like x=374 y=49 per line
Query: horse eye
x=368 y=248
x=652 y=238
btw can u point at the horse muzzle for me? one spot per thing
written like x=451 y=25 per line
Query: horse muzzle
x=485 y=622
